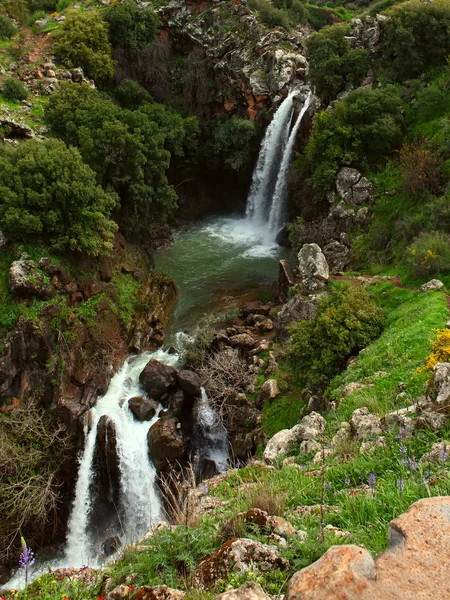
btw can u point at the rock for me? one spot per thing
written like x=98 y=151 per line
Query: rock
x=25 y=280
x=313 y=267
x=336 y=531
x=77 y=75
x=286 y=279
x=439 y=453
x=309 y=446
x=264 y=521
x=352 y=387
x=143 y=408
x=434 y=284
x=268 y=391
x=415 y=567
x=309 y=427
x=119 y=593
x=249 y=591
x=158 y=592
x=353 y=188
x=240 y=556
x=364 y=424
x=111 y=545
x=157 y=378
x=255 y=308
x=265 y=325
x=189 y=382
x=437 y=397
x=398 y=420
x=242 y=340
x=296 y=309
x=107 y=458
x=342 y=440
x=338 y=256
x=272 y=366
x=165 y=442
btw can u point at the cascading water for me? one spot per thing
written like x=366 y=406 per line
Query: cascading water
x=267 y=197
x=139 y=502
x=279 y=197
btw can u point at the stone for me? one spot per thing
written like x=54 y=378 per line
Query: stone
x=364 y=424
x=313 y=267
x=342 y=440
x=296 y=309
x=280 y=444
x=249 y=591
x=345 y=180
x=25 y=280
x=189 y=382
x=111 y=545
x=166 y=443
x=309 y=446
x=157 y=378
x=107 y=458
x=265 y=522
x=268 y=391
x=439 y=452
x=398 y=419
x=434 y=284
x=77 y=75
x=242 y=340
x=143 y=408
x=158 y=592
x=338 y=256
x=415 y=566
x=437 y=397
x=286 y=279
x=240 y=556
x=311 y=426
x=352 y=387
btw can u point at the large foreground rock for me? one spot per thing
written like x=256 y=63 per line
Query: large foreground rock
x=166 y=443
x=313 y=267
x=415 y=567
x=157 y=378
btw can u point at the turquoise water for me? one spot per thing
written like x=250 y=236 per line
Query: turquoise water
x=213 y=260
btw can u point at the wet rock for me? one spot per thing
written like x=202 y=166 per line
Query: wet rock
x=268 y=391
x=249 y=591
x=143 y=408
x=158 y=592
x=107 y=459
x=434 y=284
x=189 y=382
x=111 y=545
x=239 y=556
x=313 y=267
x=157 y=378
x=364 y=424
x=165 y=442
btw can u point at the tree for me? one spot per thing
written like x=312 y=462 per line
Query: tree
x=14 y=89
x=48 y=193
x=16 y=9
x=232 y=139
x=83 y=42
x=7 y=28
x=332 y=64
x=131 y=27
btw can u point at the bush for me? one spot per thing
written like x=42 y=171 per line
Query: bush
x=440 y=350
x=39 y=14
x=47 y=193
x=332 y=64
x=131 y=95
x=7 y=28
x=429 y=254
x=131 y=27
x=14 y=89
x=232 y=139
x=420 y=169
x=415 y=37
x=347 y=320
x=45 y=5
x=270 y=15
x=16 y=9
x=83 y=42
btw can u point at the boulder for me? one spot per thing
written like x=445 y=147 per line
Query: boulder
x=309 y=428
x=286 y=279
x=352 y=187
x=165 y=442
x=296 y=309
x=107 y=458
x=342 y=439
x=439 y=452
x=364 y=424
x=25 y=281
x=249 y=591
x=415 y=566
x=434 y=284
x=437 y=397
x=121 y=592
x=158 y=592
x=157 y=378
x=189 y=382
x=265 y=522
x=338 y=256
x=143 y=408
x=239 y=556
x=268 y=391
x=242 y=340
x=313 y=267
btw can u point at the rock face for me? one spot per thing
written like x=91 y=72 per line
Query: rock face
x=107 y=459
x=415 y=567
x=296 y=309
x=353 y=188
x=239 y=555
x=142 y=408
x=307 y=430
x=313 y=267
x=157 y=378
x=249 y=591
x=166 y=442
x=364 y=424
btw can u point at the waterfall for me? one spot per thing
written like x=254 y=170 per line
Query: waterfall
x=267 y=198
x=139 y=503
x=279 y=197
x=210 y=439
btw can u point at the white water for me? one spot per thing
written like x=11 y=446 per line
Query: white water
x=281 y=188
x=210 y=436
x=266 y=203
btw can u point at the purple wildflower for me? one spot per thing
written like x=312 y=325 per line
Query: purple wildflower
x=372 y=480
x=400 y=485
x=403 y=450
x=404 y=461
x=328 y=485
x=444 y=455
x=347 y=481
x=26 y=558
x=238 y=464
x=413 y=464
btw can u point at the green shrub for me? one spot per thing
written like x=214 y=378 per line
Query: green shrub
x=347 y=320
x=47 y=193
x=83 y=42
x=415 y=37
x=45 y=5
x=429 y=254
x=269 y=14
x=7 y=28
x=232 y=139
x=39 y=14
x=14 y=89
x=332 y=64
x=131 y=95
x=131 y=27
x=16 y=9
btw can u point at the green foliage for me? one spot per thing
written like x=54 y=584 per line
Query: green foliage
x=131 y=94
x=16 y=9
x=332 y=64
x=415 y=38
x=131 y=27
x=232 y=139
x=14 y=89
x=48 y=193
x=39 y=14
x=429 y=255
x=42 y=5
x=361 y=129
x=347 y=320
x=83 y=42
x=7 y=28
x=129 y=150
x=269 y=14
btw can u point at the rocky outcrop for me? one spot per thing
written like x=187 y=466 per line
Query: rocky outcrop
x=297 y=308
x=312 y=267
x=308 y=430
x=415 y=567
x=166 y=442
x=364 y=424
x=240 y=556
x=433 y=285
x=158 y=592
x=26 y=280
x=189 y=382
x=249 y=591
x=265 y=522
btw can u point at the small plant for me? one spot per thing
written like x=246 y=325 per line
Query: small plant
x=429 y=254
x=266 y=498
x=7 y=28
x=179 y=494
x=14 y=89
x=26 y=559
x=440 y=350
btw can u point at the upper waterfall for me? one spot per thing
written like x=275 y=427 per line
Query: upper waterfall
x=267 y=198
